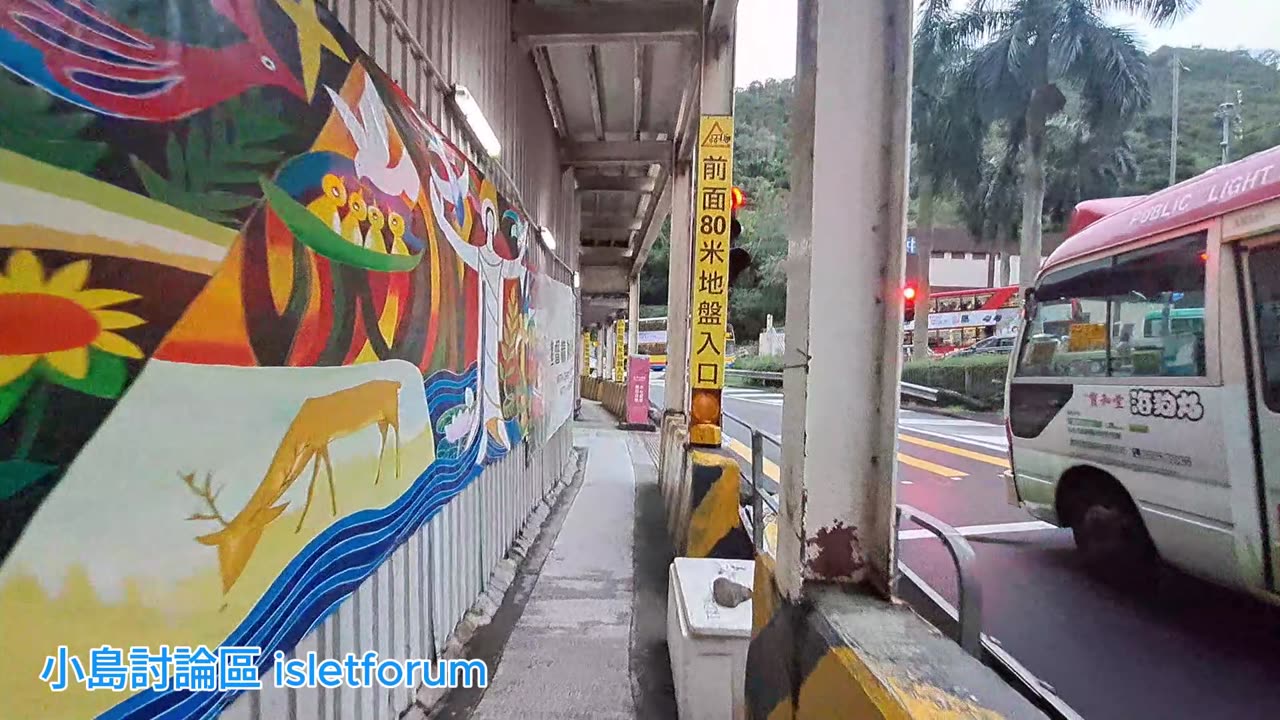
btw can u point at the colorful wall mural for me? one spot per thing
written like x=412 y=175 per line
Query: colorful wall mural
x=259 y=320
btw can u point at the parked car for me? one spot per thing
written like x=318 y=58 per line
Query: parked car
x=989 y=346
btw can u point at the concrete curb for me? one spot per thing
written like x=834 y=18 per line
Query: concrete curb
x=842 y=653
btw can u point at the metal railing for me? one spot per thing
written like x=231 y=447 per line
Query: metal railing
x=966 y=620
x=758 y=496
x=969 y=634
x=968 y=586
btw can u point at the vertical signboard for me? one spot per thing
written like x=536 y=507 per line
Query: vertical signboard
x=556 y=330
x=638 y=391
x=713 y=207
x=586 y=354
x=620 y=352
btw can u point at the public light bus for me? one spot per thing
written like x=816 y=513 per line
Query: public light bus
x=958 y=318
x=651 y=341
x=1143 y=402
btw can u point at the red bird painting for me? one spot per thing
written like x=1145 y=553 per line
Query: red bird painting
x=77 y=51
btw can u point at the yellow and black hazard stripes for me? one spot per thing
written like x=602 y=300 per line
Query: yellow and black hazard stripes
x=715 y=526
x=841 y=654
x=770 y=681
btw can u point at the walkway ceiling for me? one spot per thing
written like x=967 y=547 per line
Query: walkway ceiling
x=620 y=77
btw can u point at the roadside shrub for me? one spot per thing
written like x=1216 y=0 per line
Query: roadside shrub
x=980 y=377
x=756 y=363
x=759 y=363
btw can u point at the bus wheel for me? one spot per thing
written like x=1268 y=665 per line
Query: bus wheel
x=1109 y=531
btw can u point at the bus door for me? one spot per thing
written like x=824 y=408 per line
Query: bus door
x=1261 y=297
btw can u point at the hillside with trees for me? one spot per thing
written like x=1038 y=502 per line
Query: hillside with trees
x=1082 y=162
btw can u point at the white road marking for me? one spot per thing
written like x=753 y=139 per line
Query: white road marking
x=991 y=443
x=972 y=530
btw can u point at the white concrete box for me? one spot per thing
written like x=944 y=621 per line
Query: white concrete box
x=708 y=642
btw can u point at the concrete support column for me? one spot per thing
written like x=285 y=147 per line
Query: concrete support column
x=633 y=316
x=679 y=285
x=715 y=97
x=844 y=314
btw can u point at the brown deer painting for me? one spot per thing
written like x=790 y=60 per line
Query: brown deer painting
x=319 y=421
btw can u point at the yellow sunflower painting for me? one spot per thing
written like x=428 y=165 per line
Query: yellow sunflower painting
x=57 y=320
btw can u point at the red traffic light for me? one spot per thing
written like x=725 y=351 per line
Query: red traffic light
x=909 y=292
x=737 y=198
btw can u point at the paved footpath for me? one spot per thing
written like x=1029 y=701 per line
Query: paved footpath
x=569 y=655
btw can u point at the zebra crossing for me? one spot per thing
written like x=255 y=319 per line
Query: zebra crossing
x=762 y=396
x=986 y=435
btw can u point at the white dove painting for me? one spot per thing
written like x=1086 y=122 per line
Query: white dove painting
x=368 y=126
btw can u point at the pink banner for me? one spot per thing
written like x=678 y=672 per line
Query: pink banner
x=638 y=390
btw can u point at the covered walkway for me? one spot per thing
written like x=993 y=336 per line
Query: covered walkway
x=581 y=634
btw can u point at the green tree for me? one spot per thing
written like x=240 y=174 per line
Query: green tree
x=1032 y=53
x=1084 y=165
x=946 y=134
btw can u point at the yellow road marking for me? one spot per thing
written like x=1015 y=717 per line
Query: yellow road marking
x=980 y=457
x=770 y=467
x=935 y=468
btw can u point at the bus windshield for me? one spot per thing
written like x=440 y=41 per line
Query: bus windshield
x=1136 y=314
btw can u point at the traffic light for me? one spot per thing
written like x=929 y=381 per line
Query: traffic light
x=739 y=257
x=909 y=303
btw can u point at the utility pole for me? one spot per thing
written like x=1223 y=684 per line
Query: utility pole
x=1173 y=128
x=1228 y=113
x=1225 y=111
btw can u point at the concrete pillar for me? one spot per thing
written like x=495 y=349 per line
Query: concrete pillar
x=716 y=97
x=679 y=279
x=844 y=318
x=633 y=316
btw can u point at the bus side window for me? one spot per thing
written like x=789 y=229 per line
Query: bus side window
x=1160 y=290
x=1264 y=270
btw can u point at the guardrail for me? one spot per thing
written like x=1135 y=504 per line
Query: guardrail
x=970 y=589
x=755 y=375
x=967 y=619
x=962 y=555
x=920 y=392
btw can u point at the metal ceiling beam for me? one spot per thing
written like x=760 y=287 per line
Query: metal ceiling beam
x=595 y=256
x=550 y=88
x=593 y=81
x=592 y=223
x=647 y=152
x=637 y=88
x=659 y=208
x=541 y=25
x=605 y=234
x=614 y=183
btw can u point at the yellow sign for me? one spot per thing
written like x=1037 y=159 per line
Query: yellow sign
x=1087 y=336
x=620 y=353
x=586 y=354
x=712 y=214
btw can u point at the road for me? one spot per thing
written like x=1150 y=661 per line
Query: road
x=1180 y=648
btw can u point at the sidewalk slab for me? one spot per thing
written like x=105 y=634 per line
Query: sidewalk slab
x=569 y=654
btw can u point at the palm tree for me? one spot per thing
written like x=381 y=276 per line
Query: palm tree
x=1084 y=164
x=991 y=207
x=946 y=131
x=1033 y=53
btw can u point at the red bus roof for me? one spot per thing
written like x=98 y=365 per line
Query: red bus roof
x=1120 y=221
x=975 y=291
x=1091 y=211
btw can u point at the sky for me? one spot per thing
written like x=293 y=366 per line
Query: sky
x=767 y=32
